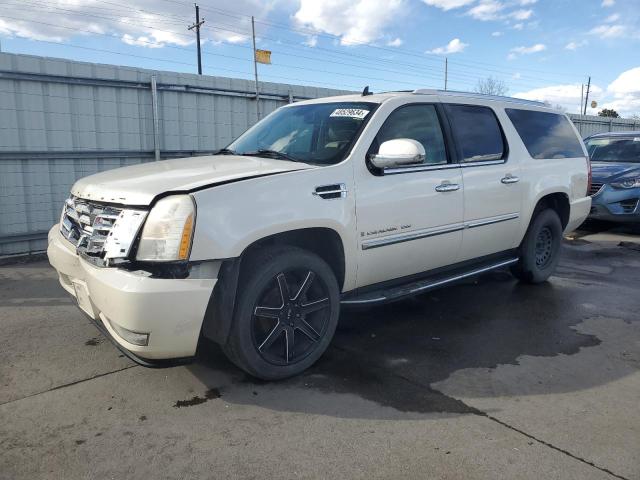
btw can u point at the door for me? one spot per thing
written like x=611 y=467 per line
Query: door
x=492 y=188
x=409 y=219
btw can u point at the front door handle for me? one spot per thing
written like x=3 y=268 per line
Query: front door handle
x=508 y=178
x=447 y=187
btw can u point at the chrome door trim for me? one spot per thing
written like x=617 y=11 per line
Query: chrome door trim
x=434 y=284
x=492 y=220
x=432 y=232
x=470 y=163
x=415 y=235
x=420 y=168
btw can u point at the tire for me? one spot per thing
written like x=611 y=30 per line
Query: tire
x=286 y=313
x=540 y=249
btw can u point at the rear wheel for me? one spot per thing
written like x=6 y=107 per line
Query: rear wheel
x=540 y=249
x=286 y=314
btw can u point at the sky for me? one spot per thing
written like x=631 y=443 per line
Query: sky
x=540 y=49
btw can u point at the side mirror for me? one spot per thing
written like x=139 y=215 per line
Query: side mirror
x=398 y=152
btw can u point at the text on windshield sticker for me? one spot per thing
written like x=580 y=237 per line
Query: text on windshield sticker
x=358 y=113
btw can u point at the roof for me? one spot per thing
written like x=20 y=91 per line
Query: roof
x=383 y=96
x=630 y=133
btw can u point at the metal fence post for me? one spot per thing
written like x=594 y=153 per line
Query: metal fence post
x=156 y=120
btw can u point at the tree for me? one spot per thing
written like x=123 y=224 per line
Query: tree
x=608 y=112
x=491 y=86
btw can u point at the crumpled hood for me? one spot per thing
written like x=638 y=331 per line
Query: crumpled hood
x=607 y=172
x=140 y=184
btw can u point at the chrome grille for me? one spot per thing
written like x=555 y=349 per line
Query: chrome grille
x=595 y=188
x=87 y=224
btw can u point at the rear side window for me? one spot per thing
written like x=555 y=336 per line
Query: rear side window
x=477 y=132
x=545 y=134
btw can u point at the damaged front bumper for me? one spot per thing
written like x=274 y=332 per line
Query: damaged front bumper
x=149 y=318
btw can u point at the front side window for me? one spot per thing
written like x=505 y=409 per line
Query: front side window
x=614 y=149
x=477 y=132
x=416 y=122
x=545 y=134
x=321 y=133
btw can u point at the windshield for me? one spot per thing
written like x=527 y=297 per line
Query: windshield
x=614 y=149
x=319 y=133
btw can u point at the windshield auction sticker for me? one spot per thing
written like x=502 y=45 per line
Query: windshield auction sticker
x=358 y=113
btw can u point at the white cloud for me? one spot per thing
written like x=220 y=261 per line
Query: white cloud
x=575 y=45
x=454 y=46
x=354 y=21
x=527 y=2
x=521 y=14
x=612 y=18
x=568 y=96
x=518 y=26
x=396 y=42
x=608 y=3
x=311 y=41
x=496 y=34
x=448 y=4
x=623 y=94
x=142 y=23
x=487 y=10
x=608 y=31
x=515 y=52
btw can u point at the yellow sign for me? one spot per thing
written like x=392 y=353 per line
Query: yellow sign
x=263 y=56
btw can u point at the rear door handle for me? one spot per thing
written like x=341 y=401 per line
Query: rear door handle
x=447 y=187
x=507 y=179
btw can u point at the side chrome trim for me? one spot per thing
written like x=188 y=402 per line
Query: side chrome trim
x=432 y=232
x=470 y=164
x=415 y=235
x=420 y=168
x=492 y=220
x=430 y=285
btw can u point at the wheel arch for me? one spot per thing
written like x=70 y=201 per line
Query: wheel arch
x=323 y=241
x=557 y=201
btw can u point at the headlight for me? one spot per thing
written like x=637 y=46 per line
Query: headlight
x=168 y=231
x=630 y=183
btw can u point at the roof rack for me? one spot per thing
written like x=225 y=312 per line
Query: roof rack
x=429 y=91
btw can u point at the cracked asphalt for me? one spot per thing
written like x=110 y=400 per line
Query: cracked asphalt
x=485 y=379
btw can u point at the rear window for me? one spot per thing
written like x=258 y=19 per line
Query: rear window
x=477 y=132
x=545 y=134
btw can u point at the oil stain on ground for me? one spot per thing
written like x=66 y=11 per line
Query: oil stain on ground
x=210 y=394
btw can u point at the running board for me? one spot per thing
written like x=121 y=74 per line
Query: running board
x=421 y=286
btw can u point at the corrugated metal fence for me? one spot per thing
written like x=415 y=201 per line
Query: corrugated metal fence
x=61 y=120
x=590 y=124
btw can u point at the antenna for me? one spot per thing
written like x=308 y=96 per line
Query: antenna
x=366 y=92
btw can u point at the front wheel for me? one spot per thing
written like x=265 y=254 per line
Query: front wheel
x=286 y=314
x=540 y=249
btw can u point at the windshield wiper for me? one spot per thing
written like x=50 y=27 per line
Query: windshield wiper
x=263 y=152
x=225 y=151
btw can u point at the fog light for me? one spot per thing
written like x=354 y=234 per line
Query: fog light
x=135 y=338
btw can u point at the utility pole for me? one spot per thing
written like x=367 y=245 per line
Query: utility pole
x=196 y=26
x=446 y=72
x=586 y=100
x=255 y=68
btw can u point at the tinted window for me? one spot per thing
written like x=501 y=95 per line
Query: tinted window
x=477 y=132
x=614 y=149
x=545 y=134
x=417 y=122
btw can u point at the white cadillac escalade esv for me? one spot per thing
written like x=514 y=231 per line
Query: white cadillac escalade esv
x=351 y=200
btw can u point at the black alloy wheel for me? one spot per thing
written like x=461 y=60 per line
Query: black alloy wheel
x=290 y=317
x=287 y=309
